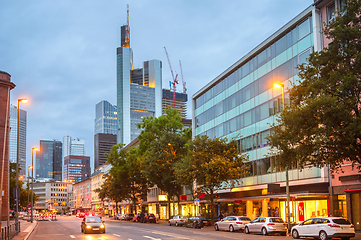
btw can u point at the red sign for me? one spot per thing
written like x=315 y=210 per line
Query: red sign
x=183 y=197
x=301 y=211
x=237 y=201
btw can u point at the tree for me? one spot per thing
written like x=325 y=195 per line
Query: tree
x=162 y=143
x=214 y=164
x=322 y=125
x=128 y=181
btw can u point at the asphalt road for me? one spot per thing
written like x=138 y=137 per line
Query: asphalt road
x=69 y=228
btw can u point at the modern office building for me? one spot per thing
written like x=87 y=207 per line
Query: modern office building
x=76 y=168
x=180 y=101
x=74 y=147
x=48 y=162
x=105 y=118
x=14 y=137
x=103 y=143
x=53 y=195
x=242 y=101
x=139 y=91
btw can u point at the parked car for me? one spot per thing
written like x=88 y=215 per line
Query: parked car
x=324 y=228
x=178 y=220
x=196 y=222
x=123 y=217
x=117 y=216
x=129 y=216
x=150 y=217
x=266 y=225
x=136 y=218
x=92 y=224
x=82 y=215
x=232 y=223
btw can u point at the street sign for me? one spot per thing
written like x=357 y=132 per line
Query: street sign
x=196 y=201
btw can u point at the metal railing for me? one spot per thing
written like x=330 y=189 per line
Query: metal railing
x=10 y=231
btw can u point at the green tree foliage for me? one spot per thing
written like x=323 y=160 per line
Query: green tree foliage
x=322 y=125
x=162 y=144
x=23 y=192
x=214 y=164
x=127 y=181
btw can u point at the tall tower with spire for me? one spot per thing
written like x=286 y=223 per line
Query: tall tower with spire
x=139 y=91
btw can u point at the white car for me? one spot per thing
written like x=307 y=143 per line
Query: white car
x=178 y=220
x=266 y=225
x=324 y=228
x=232 y=223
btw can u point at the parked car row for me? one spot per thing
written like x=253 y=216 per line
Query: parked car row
x=193 y=222
x=319 y=228
x=148 y=217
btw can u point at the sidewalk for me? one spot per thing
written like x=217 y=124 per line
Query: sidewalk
x=26 y=228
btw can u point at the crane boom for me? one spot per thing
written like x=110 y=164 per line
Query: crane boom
x=184 y=82
x=174 y=80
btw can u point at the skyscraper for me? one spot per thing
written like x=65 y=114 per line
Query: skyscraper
x=75 y=147
x=139 y=91
x=103 y=143
x=48 y=162
x=105 y=118
x=77 y=168
x=14 y=136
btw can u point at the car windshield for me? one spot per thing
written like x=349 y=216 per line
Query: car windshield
x=244 y=219
x=93 y=220
x=277 y=220
x=341 y=221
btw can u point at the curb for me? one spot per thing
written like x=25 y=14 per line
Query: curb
x=31 y=230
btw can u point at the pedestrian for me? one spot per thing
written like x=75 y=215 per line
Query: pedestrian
x=141 y=216
x=220 y=217
x=156 y=218
x=225 y=214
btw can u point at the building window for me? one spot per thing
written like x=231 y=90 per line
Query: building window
x=330 y=13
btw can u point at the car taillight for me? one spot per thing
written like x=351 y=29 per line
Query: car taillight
x=352 y=226
x=285 y=224
x=270 y=224
x=238 y=222
x=182 y=220
x=333 y=225
x=199 y=221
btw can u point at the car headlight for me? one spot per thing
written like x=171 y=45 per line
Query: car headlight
x=102 y=226
x=88 y=226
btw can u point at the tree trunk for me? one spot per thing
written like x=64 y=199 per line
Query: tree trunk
x=212 y=218
x=168 y=206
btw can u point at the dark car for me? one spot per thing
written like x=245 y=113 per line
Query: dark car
x=92 y=224
x=129 y=216
x=196 y=222
x=117 y=216
x=150 y=217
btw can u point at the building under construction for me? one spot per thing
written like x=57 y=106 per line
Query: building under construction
x=180 y=101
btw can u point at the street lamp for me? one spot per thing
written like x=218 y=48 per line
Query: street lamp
x=17 y=163
x=29 y=183
x=279 y=85
x=32 y=180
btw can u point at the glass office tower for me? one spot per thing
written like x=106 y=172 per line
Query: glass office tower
x=105 y=118
x=242 y=102
x=48 y=162
x=139 y=91
x=22 y=138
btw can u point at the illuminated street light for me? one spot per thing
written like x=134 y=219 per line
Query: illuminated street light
x=17 y=199
x=32 y=180
x=30 y=167
x=278 y=85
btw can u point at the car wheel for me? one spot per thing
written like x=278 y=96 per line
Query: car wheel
x=176 y=224
x=169 y=223
x=323 y=235
x=246 y=230
x=264 y=231
x=295 y=234
x=216 y=227
x=231 y=228
x=104 y=231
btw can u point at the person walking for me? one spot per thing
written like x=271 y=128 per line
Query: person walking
x=141 y=216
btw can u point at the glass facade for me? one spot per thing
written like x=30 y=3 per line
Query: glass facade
x=48 y=162
x=105 y=118
x=14 y=136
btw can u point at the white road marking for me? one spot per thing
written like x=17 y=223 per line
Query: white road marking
x=72 y=236
x=116 y=235
x=152 y=238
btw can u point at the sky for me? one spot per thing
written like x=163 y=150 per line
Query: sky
x=62 y=54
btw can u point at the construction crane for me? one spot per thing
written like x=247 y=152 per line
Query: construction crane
x=174 y=79
x=184 y=82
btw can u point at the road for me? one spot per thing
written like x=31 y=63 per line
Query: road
x=69 y=228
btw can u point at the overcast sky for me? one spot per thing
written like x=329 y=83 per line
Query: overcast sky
x=62 y=54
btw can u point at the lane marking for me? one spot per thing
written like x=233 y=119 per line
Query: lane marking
x=72 y=236
x=116 y=235
x=152 y=238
